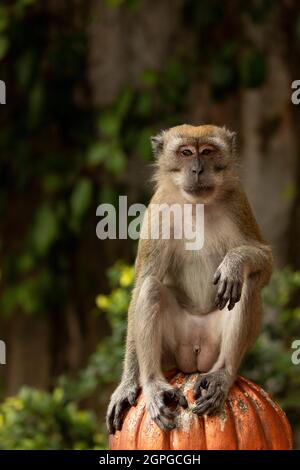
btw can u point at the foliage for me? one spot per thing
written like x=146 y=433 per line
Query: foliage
x=105 y=365
x=269 y=362
x=35 y=420
x=39 y=420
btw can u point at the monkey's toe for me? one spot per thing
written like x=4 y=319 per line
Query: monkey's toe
x=210 y=404
x=162 y=415
x=120 y=401
x=210 y=392
x=162 y=407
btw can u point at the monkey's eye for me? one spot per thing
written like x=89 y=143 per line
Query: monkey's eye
x=206 y=151
x=186 y=152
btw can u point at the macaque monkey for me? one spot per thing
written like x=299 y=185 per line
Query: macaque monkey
x=196 y=310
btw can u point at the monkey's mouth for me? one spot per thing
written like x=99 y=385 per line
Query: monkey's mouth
x=204 y=189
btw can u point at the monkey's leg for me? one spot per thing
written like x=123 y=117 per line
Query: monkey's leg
x=240 y=327
x=152 y=319
x=126 y=393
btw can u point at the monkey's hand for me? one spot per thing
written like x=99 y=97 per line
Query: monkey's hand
x=124 y=396
x=210 y=392
x=161 y=401
x=230 y=278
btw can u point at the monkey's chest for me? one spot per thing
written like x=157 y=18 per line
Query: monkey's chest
x=196 y=279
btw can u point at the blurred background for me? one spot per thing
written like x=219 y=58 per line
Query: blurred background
x=87 y=83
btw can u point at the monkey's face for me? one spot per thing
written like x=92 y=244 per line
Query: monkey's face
x=198 y=160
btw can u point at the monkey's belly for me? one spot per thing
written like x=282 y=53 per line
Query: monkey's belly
x=198 y=341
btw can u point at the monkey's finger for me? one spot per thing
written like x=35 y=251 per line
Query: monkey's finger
x=206 y=397
x=216 y=409
x=132 y=397
x=217 y=405
x=158 y=407
x=203 y=407
x=172 y=396
x=180 y=398
x=120 y=407
x=238 y=291
x=197 y=392
x=167 y=413
x=223 y=301
x=226 y=295
x=216 y=277
x=163 y=423
x=221 y=291
x=235 y=295
x=110 y=420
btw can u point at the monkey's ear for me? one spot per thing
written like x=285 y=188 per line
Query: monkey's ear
x=231 y=139
x=157 y=143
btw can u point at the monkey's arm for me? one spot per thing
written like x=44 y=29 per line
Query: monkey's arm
x=142 y=354
x=240 y=277
x=154 y=259
x=252 y=260
x=127 y=391
x=257 y=260
x=244 y=262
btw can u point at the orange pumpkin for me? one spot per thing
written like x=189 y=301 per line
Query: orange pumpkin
x=251 y=420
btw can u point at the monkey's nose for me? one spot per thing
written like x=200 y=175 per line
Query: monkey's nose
x=197 y=172
x=197 y=169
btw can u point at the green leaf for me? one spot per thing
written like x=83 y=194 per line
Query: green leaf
x=108 y=194
x=25 y=262
x=3 y=18
x=45 y=229
x=124 y=102
x=109 y=124
x=52 y=182
x=36 y=102
x=114 y=3
x=97 y=153
x=4 y=44
x=150 y=77
x=144 y=104
x=143 y=147
x=24 y=68
x=116 y=162
x=81 y=198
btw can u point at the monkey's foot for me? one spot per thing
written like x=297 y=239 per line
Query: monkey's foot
x=210 y=392
x=160 y=399
x=124 y=396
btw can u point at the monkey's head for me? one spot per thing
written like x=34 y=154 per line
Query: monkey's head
x=198 y=160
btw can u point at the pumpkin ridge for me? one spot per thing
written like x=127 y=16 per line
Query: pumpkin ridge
x=253 y=414
x=139 y=426
x=269 y=399
x=231 y=417
x=243 y=386
x=204 y=430
x=274 y=409
x=138 y=434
